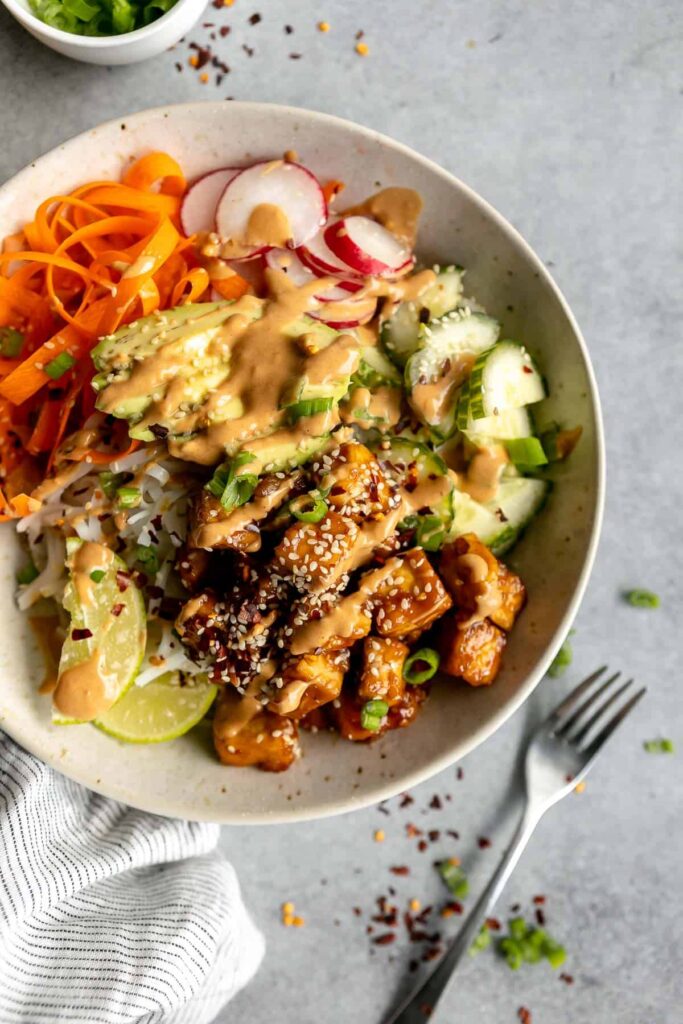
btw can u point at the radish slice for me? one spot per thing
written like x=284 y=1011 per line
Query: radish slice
x=198 y=210
x=290 y=264
x=319 y=258
x=290 y=187
x=366 y=246
x=342 y=315
x=341 y=291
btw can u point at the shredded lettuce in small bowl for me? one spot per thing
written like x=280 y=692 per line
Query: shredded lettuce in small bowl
x=99 y=17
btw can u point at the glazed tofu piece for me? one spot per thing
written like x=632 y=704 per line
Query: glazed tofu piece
x=472 y=652
x=309 y=682
x=480 y=584
x=355 y=483
x=214 y=528
x=193 y=566
x=328 y=622
x=310 y=555
x=411 y=598
x=347 y=710
x=382 y=670
x=263 y=739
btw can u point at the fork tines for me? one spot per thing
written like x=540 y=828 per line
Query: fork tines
x=570 y=721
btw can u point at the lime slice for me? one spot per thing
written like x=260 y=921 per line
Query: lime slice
x=160 y=711
x=106 y=637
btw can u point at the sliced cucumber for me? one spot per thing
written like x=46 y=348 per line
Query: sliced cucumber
x=499 y=523
x=403 y=333
x=376 y=370
x=504 y=377
x=411 y=462
x=447 y=342
x=445 y=294
x=511 y=424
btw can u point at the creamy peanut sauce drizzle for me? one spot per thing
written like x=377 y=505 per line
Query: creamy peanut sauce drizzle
x=433 y=398
x=235 y=711
x=367 y=408
x=396 y=209
x=488 y=596
x=483 y=473
x=85 y=691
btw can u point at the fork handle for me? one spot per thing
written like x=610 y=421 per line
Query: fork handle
x=412 y=1010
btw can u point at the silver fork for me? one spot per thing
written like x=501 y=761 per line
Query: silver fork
x=559 y=755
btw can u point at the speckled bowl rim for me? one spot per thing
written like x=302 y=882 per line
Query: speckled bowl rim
x=409 y=778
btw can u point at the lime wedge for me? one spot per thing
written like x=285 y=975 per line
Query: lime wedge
x=160 y=711
x=105 y=641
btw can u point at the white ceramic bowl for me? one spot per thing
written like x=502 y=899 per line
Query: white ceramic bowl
x=183 y=777
x=128 y=48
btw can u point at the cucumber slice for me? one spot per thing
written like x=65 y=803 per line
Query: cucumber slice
x=403 y=333
x=526 y=452
x=448 y=341
x=376 y=370
x=500 y=523
x=411 y=462
x=511 y=424
x=505 y=377
x=445 y=294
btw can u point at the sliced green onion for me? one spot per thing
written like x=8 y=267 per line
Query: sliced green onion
x=642 y=599
x=80 y=9
x=372 y=713
x=430 y=533
x=309 y=508
x=147 y=555
x=231 y=487
x=97 y=575
x=482 y=941
x=526 y=451
x=99 y=17
x=11 y=342
x=658 y=746
x=517 y=927
x=563 y=658
x=27 y=574
x=455 y=878
x=110 y=482
x=512 y=952
x=128 y=497
x=420 y=666
x=554 y=953
x=99 y=381
x=308 y=407
x=58 y=366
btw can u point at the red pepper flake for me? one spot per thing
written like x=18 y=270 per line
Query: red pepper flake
x=357 y=911
x=369 y=929
x=288 y=30
x=459 y=774
x=433 y=835
x=224 y=31
x=359 y=34
x=412 y=830
x=454 y=835
x=383 y=808
x=515 y=908
x=178 y=66
x=385 y=939
x=539 y=900
x=493 y=924
x=431 y=954
x=249 y=50
x=117 y=609
x=435 y=803
x=540 y=916
x=255 y=19
x=400 y=869
x=203 y=55
x=422 y=845
x=81 y=634
x=427 y=1009
x=524 y=1015
x=122 y=580
x=450 y=908
x=406 y=800
x=527 y=369
x=568 y=979
x=295 y=56
x=483 y=842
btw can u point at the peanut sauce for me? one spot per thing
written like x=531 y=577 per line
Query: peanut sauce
x=484 y=472
x=396 y=209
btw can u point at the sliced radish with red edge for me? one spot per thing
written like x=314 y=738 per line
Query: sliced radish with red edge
x=319 y=258
x=198 y=209
x=366 y=246
x=343 y=315
x=290 y=187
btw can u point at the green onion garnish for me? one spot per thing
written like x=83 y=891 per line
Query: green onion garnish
x=308 y=407
x=430 y=533
x=110 y=482
x=99 y=17
x=147 y=555
x=420 y=666
x=563 y=658
x=642 y=599
x=11 y=342
x=526 y=451
x=99 y=381
x=482 y=941
x=518 y=928
x=512 y=952
x=27 y=574
x=455 y=878
x=309 y=508
x=128 y=497
x=658 y=746
x=58 y=366
x=527 y=944
x=231 y=487
x=97 y=575
x=372 y=713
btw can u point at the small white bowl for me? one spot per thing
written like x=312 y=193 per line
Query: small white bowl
x=128 y=48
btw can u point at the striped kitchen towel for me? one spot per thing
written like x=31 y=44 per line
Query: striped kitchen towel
x=109 y=915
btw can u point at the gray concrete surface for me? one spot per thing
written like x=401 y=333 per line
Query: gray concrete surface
x=566 y=115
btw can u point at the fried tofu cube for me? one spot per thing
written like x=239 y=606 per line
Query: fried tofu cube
x=265 y=740
x=355 y=483
x=346 y=713
x=309 y=682
x=473 y=652
x=214 y=528
x=382 y=670
x=480 y=584
x=310 y=555
x=411 y=597
x=193 y=566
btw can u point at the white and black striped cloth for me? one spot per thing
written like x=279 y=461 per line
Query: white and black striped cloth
x=109 y=915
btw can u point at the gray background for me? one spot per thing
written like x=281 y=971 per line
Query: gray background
x=566 y=116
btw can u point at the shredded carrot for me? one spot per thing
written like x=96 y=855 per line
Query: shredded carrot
x=233 y=287
x=332 y=188
x=46 y=427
